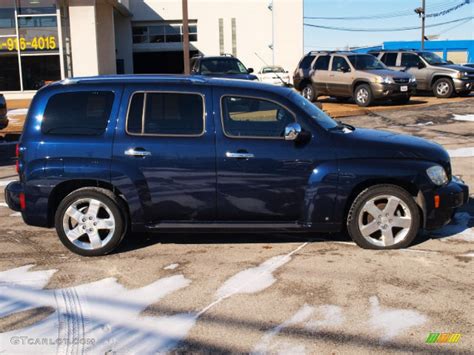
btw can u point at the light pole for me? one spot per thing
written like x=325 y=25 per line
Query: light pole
x=187 y=68
x=421 y=11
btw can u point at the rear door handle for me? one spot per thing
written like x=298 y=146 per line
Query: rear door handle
x=239 y=155
x=137 y=152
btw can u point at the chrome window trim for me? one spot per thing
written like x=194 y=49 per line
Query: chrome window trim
x=145 y=92
x=251 y=97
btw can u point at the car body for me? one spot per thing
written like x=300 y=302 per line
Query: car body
x=346 y=75
x=274 y=75
x=174 y=153
x=469 y=65
x=432 y=73
x=3 y=112
x=224 y=66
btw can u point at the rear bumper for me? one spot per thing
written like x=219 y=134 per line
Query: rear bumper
x=451 y=197
x=381 y=91
x=12 y=195
x=461 y=85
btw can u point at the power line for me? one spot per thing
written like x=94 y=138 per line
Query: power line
x=386 y=29
x=447 y=11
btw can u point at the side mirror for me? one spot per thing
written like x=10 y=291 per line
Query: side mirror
x=250 y=70
x=292 y=131
x=421 y=65
x=345 y=69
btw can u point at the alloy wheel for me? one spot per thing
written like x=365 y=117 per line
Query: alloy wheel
x=362 y=95
x=307 y=92
x=442 y=88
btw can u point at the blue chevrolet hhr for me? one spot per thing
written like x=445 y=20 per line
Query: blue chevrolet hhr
x=103 y=156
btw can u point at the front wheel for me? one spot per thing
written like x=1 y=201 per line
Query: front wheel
x=383 y=217
x=308 y=92
x=363 y=95
x=90 y=221
x=443 y=88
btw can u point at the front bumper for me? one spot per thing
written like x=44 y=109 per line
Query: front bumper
x=462 y=85
x=381 y=90
x=12 y=195
x=452 y=196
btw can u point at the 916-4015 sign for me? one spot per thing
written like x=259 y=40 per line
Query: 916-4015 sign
x=23 y=44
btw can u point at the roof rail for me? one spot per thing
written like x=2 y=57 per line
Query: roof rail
x=227 y=55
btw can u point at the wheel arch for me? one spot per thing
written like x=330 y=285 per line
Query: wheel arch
x=359 y=82
x=436 y=77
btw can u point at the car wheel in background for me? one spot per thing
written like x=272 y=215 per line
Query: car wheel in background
x=363 y=95
x=383 y=217
x=308 y=92
x=401 y=100
x=443 y=88
x=91 y=221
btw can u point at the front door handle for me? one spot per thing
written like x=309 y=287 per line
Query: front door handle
x=239 y=155
x=137 y=152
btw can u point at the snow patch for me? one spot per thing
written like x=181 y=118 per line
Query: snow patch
x=3 y=204
x=101 y=313
x=468 y=118
x=390 y=321
x=458 y=229
x=461 y=152
x=328 y=316
x=17 y=112
x=171 y=267
x=16 y=214
x=5 y=182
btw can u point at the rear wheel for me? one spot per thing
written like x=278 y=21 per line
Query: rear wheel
x=308 y=92
x=401 y=100
x=363 y=95
x=443 y=88
x=383 y=217
x=90 y=221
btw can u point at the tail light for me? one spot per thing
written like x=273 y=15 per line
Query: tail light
x=22 y=201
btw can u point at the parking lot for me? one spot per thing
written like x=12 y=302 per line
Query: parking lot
x=250 y=293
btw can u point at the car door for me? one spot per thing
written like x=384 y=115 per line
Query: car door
x=416 y=67
x=164 y=150
x=320 y=75
x=260 y=176
x=340 y=78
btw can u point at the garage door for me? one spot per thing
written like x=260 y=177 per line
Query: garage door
x=457 y=57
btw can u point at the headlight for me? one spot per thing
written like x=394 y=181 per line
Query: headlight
x=437 y=174
x=461 y=74
x=385 y=80
x=412 y=79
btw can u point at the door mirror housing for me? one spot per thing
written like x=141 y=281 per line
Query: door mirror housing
x=345 y=69
x=292 y=131
x=421 y=65
x=250 y=70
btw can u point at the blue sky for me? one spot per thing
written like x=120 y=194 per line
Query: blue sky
x=316 y=38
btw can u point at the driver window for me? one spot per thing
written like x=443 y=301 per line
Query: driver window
x=251 y=117
x=339 y=64
x=410 y=60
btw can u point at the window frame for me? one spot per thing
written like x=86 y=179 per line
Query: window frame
x=145 y=92
x=331 y=64
x=387 y=54
x=255 y=98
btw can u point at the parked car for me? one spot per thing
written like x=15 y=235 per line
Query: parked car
x=225 y=66
x=469 y=65
x=161 y=153
x=3 y=112
x=432 y=73
x=302 y=73
x=274 y=75
x=346 y=75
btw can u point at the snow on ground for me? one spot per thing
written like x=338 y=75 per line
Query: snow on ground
x=17 y=112
x=390 y=321
x=171 y=267
x=4 y=183
x=98 y=317
x=461 y=152
x=468 y=118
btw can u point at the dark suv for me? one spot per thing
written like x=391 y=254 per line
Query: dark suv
x=225 y=66
x=102 y=156
x=3 y=112
x=432 y=73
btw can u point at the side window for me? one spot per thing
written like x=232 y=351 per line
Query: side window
x=389 y=59
x=340 y=64
x=83 y=113
x=250 y=117
x=169 y=114
x=322 y=63
x=306 y=62
x=410 y=60
x=375 y=54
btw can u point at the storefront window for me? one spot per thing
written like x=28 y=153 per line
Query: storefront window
x=9 y=72
x=38 y=35
x=37 y=7
x=7 y=18
x=38 y=71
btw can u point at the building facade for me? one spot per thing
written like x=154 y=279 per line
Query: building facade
x=47 y=40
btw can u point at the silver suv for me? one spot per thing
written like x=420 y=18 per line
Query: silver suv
x=346 y=75
x=432 y=73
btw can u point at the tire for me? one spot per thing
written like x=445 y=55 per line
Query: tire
x=402 y=224
x=363 y=95
x=443 y=88
x=108 y=212
x=401 y=100
x=308 y=92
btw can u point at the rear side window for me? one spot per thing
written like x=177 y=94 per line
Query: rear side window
x=322 y=63
x=390 y=59
x=78 y=113
x=252 y=117
x=410 y=60
x=169 y=114
x=306 y=62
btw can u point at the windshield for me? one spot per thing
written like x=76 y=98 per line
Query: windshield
x=222 y=66
x=366 y=62
x=432 y=58
x=273 y=70
x=315 y=113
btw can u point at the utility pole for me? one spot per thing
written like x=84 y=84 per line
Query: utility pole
x=187 y=68
x=421 y=11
